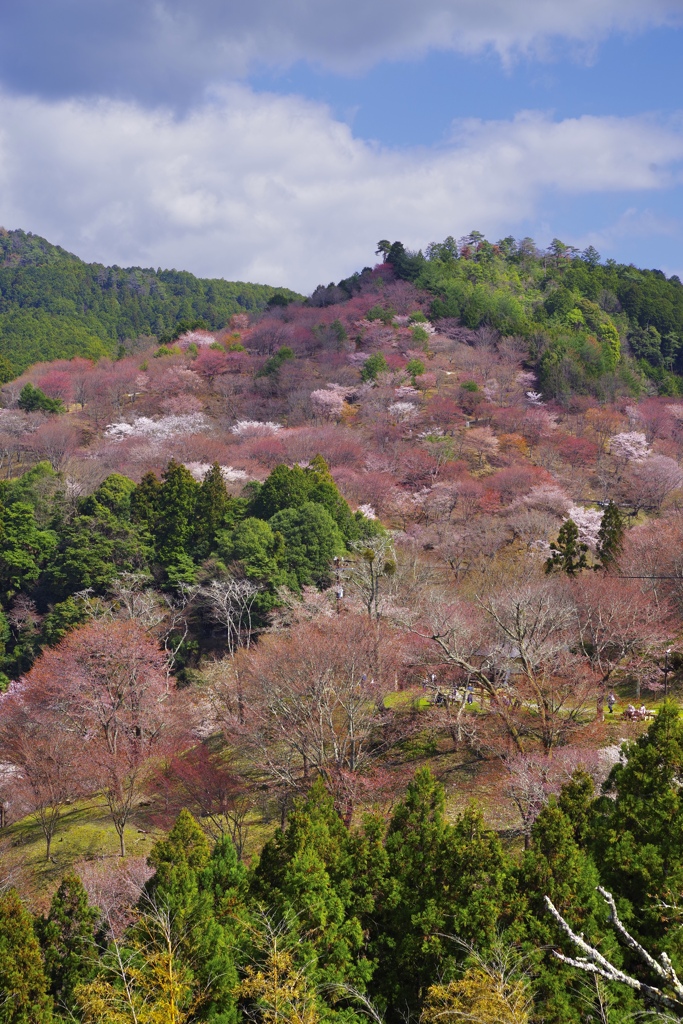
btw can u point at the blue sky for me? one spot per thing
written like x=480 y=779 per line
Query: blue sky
x=277 y=140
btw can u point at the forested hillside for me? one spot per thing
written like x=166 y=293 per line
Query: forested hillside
x=55 y=306
x=578 y=315
x=341 y=652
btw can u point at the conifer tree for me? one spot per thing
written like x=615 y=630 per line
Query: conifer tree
x=638 y=836
x=610 y=536
x=24 y=997
x=186 y=888
x=568 y=553
x=175 y=521
x=211 y=512
x=68 y=939
x=442 y=881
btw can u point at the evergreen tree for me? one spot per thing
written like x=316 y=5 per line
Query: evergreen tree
x=187 y=889
x=569 y=554
x=638 y=835
x=306 y=875
x=176 y=520
x=144 y=502
x=312 y=539
x=67 y=936
x=24 y=997
x=442 y=881
x=212 y=513
x=23 y=548
x=557 y=868
x=610 y=536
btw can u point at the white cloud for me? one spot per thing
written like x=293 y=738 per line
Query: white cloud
x=165 y=48
x=269 y=188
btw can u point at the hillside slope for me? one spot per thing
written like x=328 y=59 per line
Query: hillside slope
x=55 y=306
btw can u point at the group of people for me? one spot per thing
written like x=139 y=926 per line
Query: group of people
x=452 y=695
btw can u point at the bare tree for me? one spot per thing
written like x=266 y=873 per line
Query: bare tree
x=312 y=703
x=230 y=601
x=373 y=565
x=593 y=962
x=41 y=756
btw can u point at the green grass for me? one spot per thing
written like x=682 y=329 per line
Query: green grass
x=85 y=832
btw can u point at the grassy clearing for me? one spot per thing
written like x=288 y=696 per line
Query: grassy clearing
x=85 y=832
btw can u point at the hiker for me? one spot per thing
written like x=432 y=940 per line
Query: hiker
x=611 y=701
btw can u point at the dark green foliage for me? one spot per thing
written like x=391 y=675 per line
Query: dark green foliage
x=441 y=880
x=32 y=399
x=555 y=866
x=639 y=834
x=272 y=365
x=415 y=367
x=24 y=997
x=175 y=519
x=52 y=305
x=213 y=512
x=7 y=371
x=24 y=548
x=373 y=365
x=568 y=553
x=67 y=937
x=308 y=872
x=610 y=536
x=200 y=892
x=312 y=539
x=259 y=550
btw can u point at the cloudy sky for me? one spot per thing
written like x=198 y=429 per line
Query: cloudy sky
x=278 y=140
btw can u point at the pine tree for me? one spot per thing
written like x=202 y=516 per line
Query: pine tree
x=24 y=997
x=610 y=536
x=569 y=554
x=68 y=939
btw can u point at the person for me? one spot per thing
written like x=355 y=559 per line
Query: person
x=470 y=693
x=630 y=711
x=611 y=701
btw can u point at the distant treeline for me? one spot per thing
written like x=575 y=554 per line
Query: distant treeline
x=55 y=306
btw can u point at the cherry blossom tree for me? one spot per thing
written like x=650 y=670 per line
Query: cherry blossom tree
x=106 y=682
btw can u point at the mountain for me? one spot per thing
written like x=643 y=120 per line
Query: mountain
x=53 y=305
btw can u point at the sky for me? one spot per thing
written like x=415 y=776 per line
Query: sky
x=278 y=140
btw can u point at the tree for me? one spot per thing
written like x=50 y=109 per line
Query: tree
x=610 y=537
x=372 y=367
x=495 y=989
x=23 y=547
x=67 y=937
x=32 y=399
x=107 y=681
x=212 y=511
x=44 y=754
x=569 y=554
x=636 y=837
x=383 y=249
x=230 y=602
x=312 y=539
x=312 y=703
x=594 y=962
x=371 y=570
x=441 y=880
x=175 y=522
x=618 y=626
x=24 y=997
